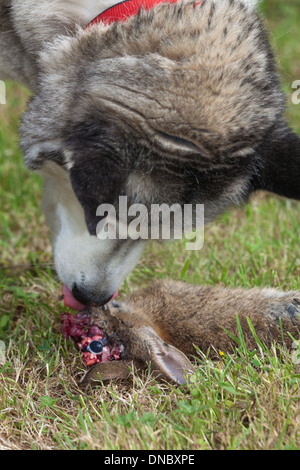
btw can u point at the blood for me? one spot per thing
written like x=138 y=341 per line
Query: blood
x=79 y=328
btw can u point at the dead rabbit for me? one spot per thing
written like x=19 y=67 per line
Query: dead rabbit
x=162 y=324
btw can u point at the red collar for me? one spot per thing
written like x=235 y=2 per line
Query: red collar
x=123 y=10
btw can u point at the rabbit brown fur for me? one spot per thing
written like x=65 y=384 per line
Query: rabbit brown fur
x=164 y=322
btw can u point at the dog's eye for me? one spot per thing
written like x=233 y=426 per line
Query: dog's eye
x=177 y=141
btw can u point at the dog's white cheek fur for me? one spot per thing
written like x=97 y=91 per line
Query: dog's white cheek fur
x=95 y=265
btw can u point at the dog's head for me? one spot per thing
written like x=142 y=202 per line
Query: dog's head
x=169 y=107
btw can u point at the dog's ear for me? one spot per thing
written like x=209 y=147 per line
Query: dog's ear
x=40 y=141
x=169 y=361
x=279 y=163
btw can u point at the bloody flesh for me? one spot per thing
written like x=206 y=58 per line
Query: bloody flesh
x=79 y=328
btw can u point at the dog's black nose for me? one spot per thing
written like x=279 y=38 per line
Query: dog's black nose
x=80 y=295
x=87 y=298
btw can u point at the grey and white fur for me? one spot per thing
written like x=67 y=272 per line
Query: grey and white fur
x=179 y=104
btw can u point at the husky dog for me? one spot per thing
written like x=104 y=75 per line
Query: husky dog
x=179 y=104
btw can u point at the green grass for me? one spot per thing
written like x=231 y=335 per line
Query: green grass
x=248 y=400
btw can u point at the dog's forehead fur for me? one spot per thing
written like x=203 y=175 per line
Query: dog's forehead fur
x=212 y=83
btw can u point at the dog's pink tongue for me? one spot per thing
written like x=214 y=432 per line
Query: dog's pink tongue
x=70 y=300
x=114 y=296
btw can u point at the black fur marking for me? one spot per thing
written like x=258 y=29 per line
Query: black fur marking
x=279 y=160
x=211 y=15
x=292 y=310
x=97 y=174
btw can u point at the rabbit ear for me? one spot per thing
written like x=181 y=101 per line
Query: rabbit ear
x=170 y=361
